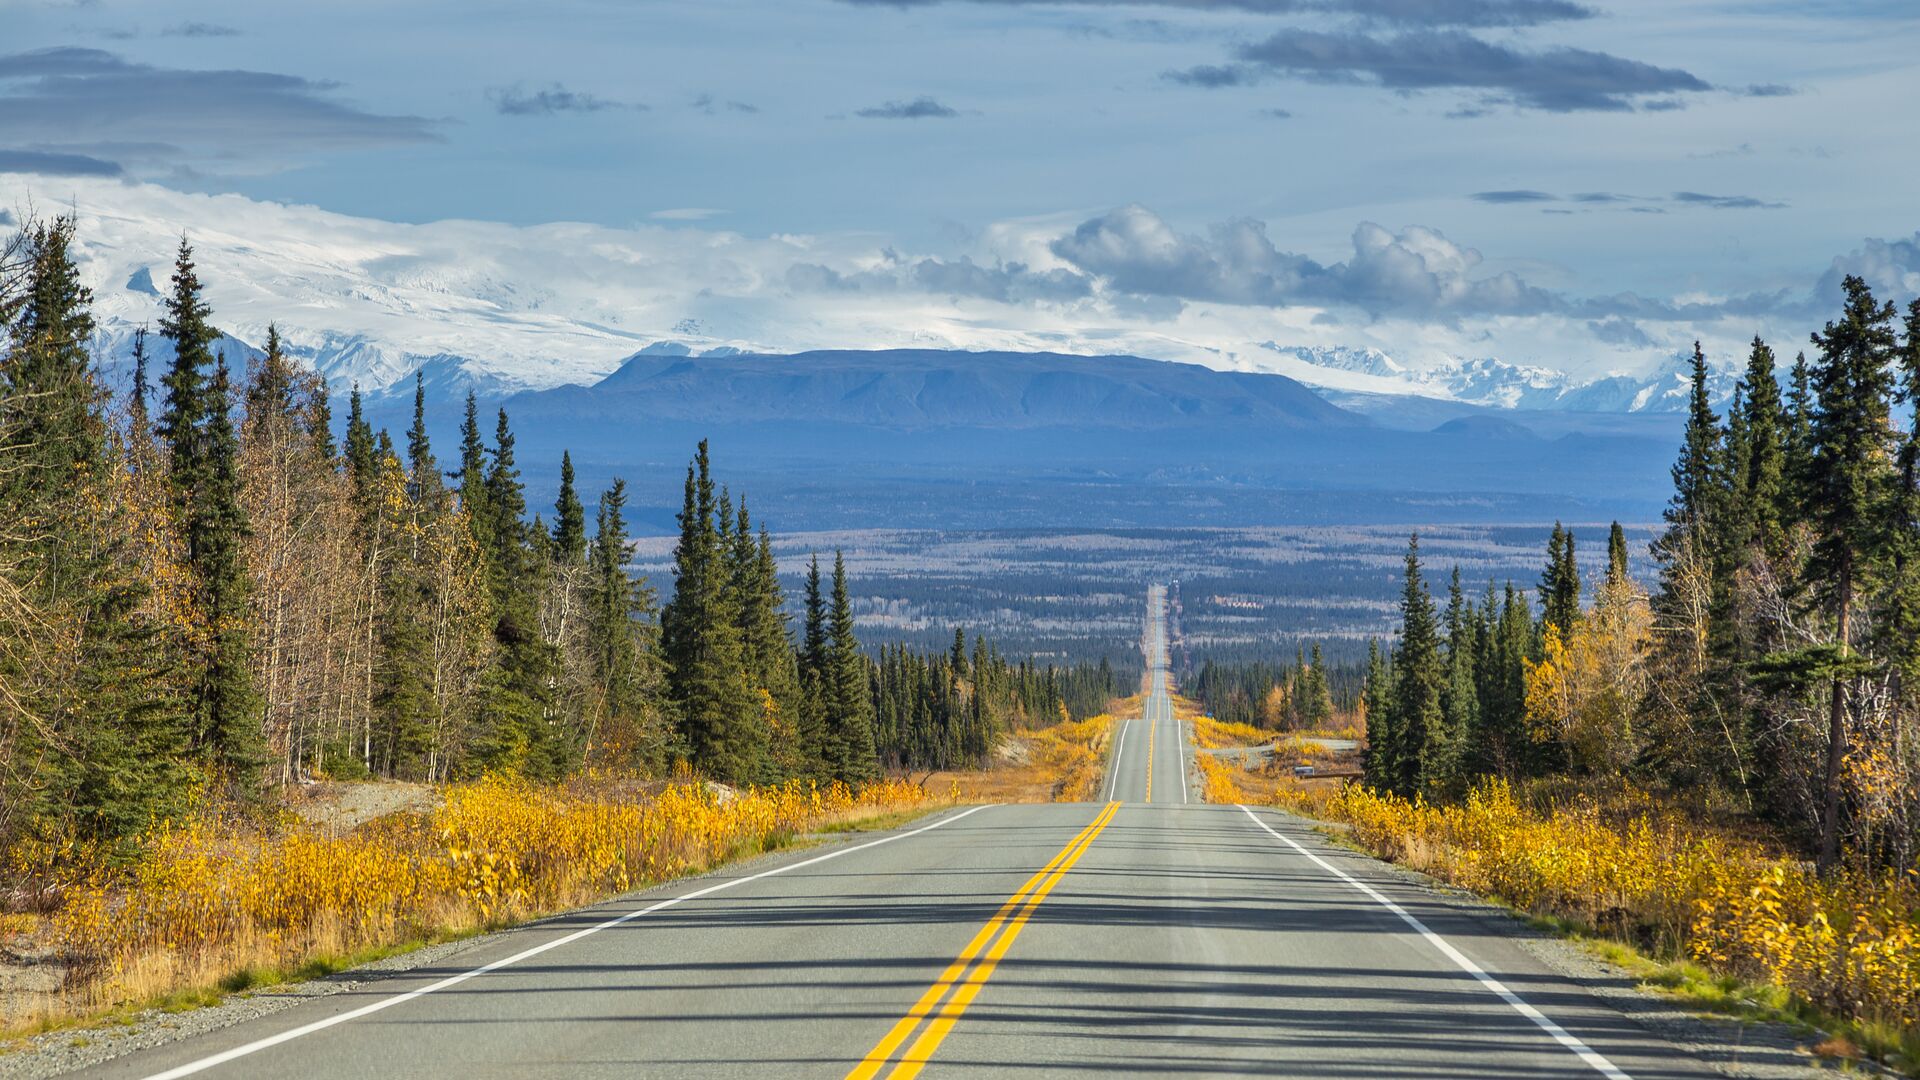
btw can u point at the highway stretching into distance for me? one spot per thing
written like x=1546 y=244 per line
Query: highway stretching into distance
x=1146 y=934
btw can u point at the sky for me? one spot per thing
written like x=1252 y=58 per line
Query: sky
x=1582 y=184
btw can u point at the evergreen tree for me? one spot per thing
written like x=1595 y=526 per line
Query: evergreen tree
x=569 y=519
x=1618 y=571
x=1459 y=699
x=700 y=637
x=198 y=428
x=1850 y=475
x=140 y=421
x=814 y=736
x=1697 y=471
x=1797 y=468
x=472 y=477
x=1761 y=468
x=1419 y=675
x=849 y=712
x=1381 y=761
x=1560 y=584
x=362 y=467
x=101 y=753
x=619 y=609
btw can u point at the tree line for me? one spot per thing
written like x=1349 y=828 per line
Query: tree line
x=949 y=710
x=1301 y=696
x=1774 y=666
x=204 y=593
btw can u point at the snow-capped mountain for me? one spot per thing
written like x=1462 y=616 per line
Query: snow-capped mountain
x=498 y=308
x=1493 y=383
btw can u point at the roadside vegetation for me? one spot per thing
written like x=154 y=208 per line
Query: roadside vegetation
x=217 y=902
x=1722 y=772
x=210 y=603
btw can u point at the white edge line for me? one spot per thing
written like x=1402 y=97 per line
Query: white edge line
x=1563 y=1036
x=1180 y=749
x=1113 y=770
x=452 y=980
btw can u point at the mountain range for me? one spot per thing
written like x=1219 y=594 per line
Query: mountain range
x=497 y=311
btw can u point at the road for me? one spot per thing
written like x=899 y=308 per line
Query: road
x=1151 y=759
x=1147 y=936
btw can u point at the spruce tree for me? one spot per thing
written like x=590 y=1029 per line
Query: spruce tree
x=362 y=467
x=1460 y=701
x=1902 y=629
x=1761 y=467
x=1560 y=583
x=472 y=477
x=1797 y=467
x=1697 y=471
x=102 y=757
x=1618 y=570
x=569 y=519
x=814 y=736
x=1850 y=477
x=849 y=712
x=624 y=669
x=1380 y=760
x=204 y=480
x=1419 y=674
x=519 y=713
x=700 y=637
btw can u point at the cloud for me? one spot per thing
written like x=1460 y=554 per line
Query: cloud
x=1769 y=90
x=237 y=120
x=554 y=99
x=920 y=108
x=199 y=30
x=1556 y=80
x=1683 y=198
x=1213 y=76
x=53 y=164
x=1415 y=272
x=686 y=213
x=1615 y=330
x=1276 y=114
x=1480 y=13
x=1007 y=283
x=1518 y=196
x=706 y=103
x=1726 y=202
x=1892 y=267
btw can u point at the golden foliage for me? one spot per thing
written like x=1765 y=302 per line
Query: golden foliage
x=210 y=898
x=1588 y=683
x=1214 y=734
x=1848 y=943
x=1071 y=755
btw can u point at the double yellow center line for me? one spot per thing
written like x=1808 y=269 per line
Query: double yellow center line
x=1150 y=726
x=960 y=983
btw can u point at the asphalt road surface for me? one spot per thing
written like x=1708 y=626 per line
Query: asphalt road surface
x=1159 y=937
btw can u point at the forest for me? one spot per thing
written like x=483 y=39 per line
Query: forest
x=1302 y=696
x=1774 y=668
x=204 y=595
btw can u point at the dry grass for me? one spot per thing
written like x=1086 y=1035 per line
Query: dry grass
x=1061 y=763
x=214 y=904
x=1844 y=948
x=1214 y=734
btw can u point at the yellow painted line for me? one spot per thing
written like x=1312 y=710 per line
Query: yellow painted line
x=1150 y=726
x=1035 y=890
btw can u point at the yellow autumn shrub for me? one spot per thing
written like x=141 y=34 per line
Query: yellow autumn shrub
x=1848 y=943
x=1071 y=755
x=209 y=897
